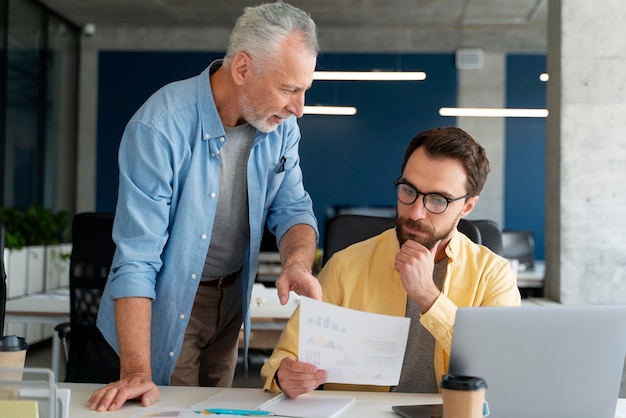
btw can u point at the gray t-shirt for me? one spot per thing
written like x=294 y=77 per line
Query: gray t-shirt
x=418 y=369
x=231 y=231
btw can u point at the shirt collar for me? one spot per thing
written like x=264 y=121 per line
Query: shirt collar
x=454 y=246
x=212 y=127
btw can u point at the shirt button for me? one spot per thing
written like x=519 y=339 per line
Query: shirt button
x=193 y=276
x=222 y=139
x=213 y=154
x=203 y=236
x=171 y=354
x=182 y=316
x=212 y=194
x=207 y=136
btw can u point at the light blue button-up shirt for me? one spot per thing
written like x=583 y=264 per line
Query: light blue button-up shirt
x=169 y=160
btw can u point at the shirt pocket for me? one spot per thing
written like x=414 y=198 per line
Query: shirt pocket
x=278 y=174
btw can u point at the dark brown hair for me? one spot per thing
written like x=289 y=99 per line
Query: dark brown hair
x=452 y=142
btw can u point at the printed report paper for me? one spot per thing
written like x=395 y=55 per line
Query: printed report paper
x=353 y=347
x=308 y=405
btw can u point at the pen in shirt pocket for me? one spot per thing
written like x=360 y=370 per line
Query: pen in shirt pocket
x=280 y=167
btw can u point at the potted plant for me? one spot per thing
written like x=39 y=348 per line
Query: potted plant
x=32 y=254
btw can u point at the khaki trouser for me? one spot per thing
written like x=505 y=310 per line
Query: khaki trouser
x=208 y=356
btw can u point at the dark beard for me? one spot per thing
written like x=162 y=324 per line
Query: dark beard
x=428 y=242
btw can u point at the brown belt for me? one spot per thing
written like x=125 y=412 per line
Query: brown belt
x=221 y=282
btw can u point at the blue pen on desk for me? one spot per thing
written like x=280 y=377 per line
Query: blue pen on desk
x=245 y=412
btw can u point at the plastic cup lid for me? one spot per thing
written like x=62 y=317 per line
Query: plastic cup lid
x=12 y=343
x=456 y=382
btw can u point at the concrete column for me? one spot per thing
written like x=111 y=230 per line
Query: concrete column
x=586 y=153
x=87 y=126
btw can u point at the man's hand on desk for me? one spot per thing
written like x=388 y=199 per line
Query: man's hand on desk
x=295 y=377
x=297 y=277
x=114 y=395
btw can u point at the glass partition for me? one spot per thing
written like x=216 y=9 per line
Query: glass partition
x=38 y=135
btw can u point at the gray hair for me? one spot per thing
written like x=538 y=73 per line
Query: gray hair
x=260 y=30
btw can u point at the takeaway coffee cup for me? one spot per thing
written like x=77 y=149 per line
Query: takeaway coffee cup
x=12 y=355
x=463 y=396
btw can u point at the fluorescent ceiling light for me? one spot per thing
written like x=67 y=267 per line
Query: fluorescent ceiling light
x=493 y=112
x=330 y=110
x=370 y=75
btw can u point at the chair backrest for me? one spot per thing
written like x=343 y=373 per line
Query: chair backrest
x=519 y=245
x=91 y=359
x=470 y=230
x=490 y=234
x=345 y=230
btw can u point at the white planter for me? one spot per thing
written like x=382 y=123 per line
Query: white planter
x=36 y=268
x=16 y=264
x=57 y=266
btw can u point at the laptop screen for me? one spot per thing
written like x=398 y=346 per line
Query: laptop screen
x=556 y=361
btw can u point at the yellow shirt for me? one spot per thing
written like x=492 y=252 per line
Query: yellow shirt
x=362 y=277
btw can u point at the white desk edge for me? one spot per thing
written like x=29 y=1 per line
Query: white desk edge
x=368 y=404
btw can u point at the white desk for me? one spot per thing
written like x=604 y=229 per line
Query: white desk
x=539 y=302
x=368 y=404
x=532 y=278
x=268 y=316
x=265 y=306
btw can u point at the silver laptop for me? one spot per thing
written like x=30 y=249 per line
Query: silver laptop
x=552 y=362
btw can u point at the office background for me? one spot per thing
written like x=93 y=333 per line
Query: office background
x=350 y=161
x=51 y=142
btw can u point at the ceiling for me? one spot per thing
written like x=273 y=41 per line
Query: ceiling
x=525 y=20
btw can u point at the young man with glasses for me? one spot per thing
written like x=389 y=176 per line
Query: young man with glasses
x=424 y=269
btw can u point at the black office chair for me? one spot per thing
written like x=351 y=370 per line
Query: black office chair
x=90 y=359
x=345 y=230
x=519 y=245
x=490 y=234
x=470 y=230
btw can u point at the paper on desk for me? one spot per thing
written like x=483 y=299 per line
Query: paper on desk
x=18 y=408
x=352 y=346
x=308 y=405
x=165 y=411
x=305 y=406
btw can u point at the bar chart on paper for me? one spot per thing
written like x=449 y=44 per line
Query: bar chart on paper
x=352 y=346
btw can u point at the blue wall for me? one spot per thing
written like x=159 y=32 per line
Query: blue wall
x=525 y=161
x=352 y=161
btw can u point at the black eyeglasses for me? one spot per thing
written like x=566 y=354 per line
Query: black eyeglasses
x=433 y=202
